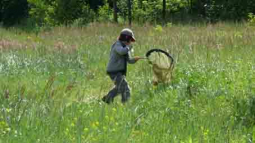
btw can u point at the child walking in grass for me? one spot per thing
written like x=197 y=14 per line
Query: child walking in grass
x=120 y=55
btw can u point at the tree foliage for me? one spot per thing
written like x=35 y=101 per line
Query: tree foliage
x=228 y=10
x=58 y=12
x=55 y=12
x=13 y=11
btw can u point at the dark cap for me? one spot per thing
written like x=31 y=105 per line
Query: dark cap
x=128 y=32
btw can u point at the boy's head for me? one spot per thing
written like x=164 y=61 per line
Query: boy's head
x=127 y=35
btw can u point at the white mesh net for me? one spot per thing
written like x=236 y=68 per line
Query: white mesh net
x=162 y=65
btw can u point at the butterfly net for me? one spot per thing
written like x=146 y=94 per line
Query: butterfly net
x=162 y=65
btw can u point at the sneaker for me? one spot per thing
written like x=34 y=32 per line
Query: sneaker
x=106 y=99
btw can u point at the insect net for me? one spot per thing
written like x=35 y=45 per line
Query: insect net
x=162 y=65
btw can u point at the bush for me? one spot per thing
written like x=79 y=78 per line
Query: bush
x=42 y=12
x=59 y=12
x=105 y=13
x=66 y=11
x=251 y=19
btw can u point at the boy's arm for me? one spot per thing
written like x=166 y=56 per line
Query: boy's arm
x=126 y=51
x=132 y=60
x=121 y=50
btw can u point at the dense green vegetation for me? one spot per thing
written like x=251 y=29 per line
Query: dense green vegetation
x=66 y=12
x=52 y=82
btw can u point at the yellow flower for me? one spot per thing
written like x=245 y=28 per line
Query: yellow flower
x=8 y=110
x=206 y=132
x=8 y=129
x=86 y=129
x=66 y=131
x=114 y=109
x=97 y=123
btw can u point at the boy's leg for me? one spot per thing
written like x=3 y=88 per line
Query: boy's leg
x=125 y=96
x=124 y=89
x=117 y=78
x=121 y=86
x=110 y=96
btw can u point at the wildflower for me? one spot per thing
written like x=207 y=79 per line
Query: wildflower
x=159 y=28
x=95 y=124
x=83 y=137
x=8 y=110
x=8 y=129
x=66 y=131
x=114 y=109
x=86 y=129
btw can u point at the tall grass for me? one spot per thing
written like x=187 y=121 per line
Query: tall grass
x=52 y=82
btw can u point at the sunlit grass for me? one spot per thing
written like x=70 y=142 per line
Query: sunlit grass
x=52 y=82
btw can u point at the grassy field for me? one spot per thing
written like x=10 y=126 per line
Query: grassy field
x=51 y=84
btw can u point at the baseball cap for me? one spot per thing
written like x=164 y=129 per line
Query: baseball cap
x=129 y=32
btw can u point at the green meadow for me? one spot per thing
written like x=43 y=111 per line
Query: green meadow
x=52 y=82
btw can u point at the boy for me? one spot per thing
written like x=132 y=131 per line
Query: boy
x=117 y=66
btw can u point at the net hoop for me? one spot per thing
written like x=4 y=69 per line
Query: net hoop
x=161 y=75
x=162 y=51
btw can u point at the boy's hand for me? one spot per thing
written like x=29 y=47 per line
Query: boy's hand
x=137 y=58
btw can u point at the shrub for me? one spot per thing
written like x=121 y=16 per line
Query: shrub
x=42 y=12
x=59 y=12
x=105 y=13
x=251 y=19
